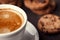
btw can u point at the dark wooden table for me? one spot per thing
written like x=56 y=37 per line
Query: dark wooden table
x=33 y=18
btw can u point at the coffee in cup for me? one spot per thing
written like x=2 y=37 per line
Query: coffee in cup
x=13 y=21
x=9 y=20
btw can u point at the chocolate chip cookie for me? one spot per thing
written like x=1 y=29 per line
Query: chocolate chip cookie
x=49 y=23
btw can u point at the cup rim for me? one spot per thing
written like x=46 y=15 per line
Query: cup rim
x=24 y=14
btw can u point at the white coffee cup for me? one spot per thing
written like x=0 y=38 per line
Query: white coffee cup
x=17 y=34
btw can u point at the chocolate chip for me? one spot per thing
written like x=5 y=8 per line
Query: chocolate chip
x=31 y=0
x=42 y=24
x=42 y=1
x=52 y=20
x=59 y=18
x=58 y=28
x=46 y=17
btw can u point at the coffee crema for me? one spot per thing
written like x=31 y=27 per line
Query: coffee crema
x=9 y=21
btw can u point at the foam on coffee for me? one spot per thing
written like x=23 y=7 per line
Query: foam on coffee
x=9 y=21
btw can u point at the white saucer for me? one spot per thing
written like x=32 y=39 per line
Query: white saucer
x=30 y=32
